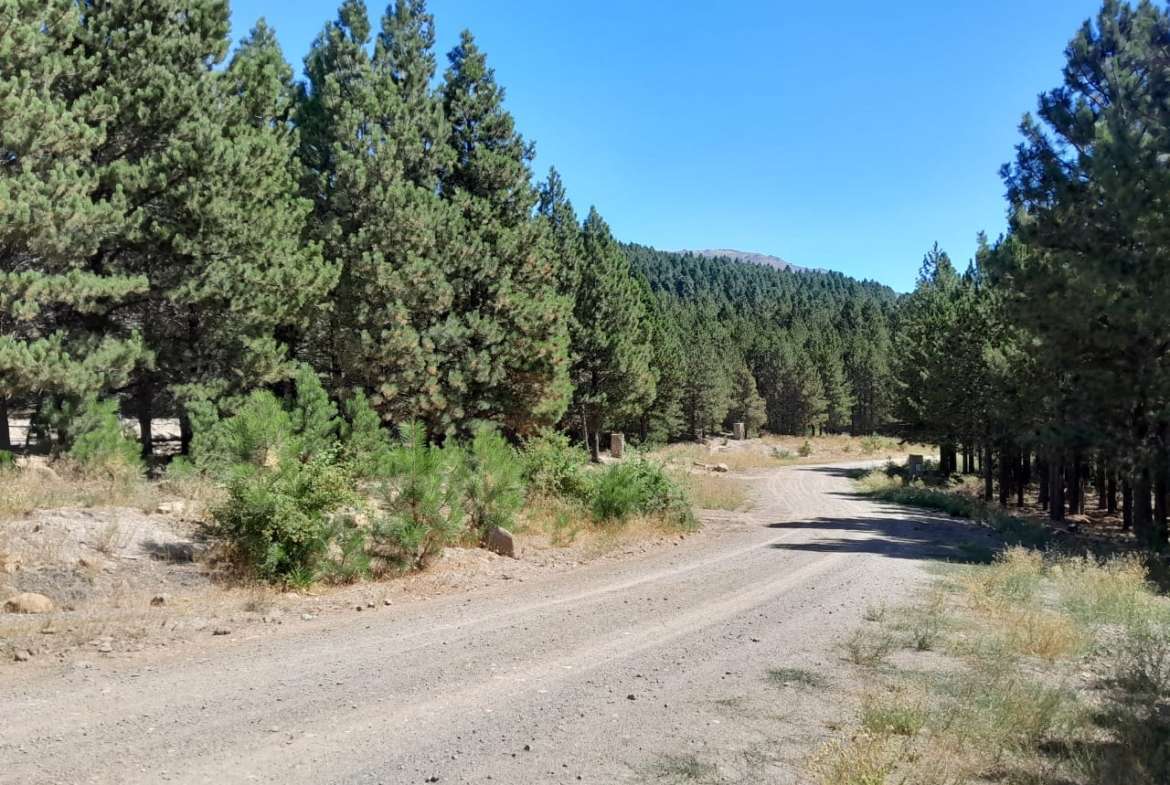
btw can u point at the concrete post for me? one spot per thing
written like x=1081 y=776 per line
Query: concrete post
x=617 y=444
x=740 y=431
x=915 y=466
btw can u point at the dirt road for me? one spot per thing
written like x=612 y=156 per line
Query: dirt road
x=631 y=671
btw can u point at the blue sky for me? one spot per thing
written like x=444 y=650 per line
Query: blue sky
x=848 y=135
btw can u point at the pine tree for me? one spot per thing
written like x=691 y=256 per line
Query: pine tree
x=53 y=335
x=519 y=337
x=208 y=216
x=747 y=406
x=611 y=371
x=405 y=50
x=443 y=312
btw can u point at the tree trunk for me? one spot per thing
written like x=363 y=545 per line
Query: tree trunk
x=144 y=409
x=1099 y=480
x=988 y=480
x=1024 y=478
x=186 y=433
x=1043 y=475
x=1072 y=478
x=1056 y=491
x=590 y=443
x=1142 y=513
x=596 y=445
x=1126 y=504
x=1158 y=535
x=1111 y=490
x=1005 y=475
x=5 y=437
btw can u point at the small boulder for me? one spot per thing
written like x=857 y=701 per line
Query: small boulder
x=28 y=602
x=719 y=467
x=22 y=655
x=501 y=541
x=9 y=562
x=158 y=600
x=172 y=508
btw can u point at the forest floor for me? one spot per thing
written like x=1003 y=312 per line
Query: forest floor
x=720 y=656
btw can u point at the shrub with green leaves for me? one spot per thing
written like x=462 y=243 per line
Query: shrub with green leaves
x=639 y=487
x=263 y=431
x=493 y=481
x=7 y=460
x=554 y=466
x=365 y=444
x=313 y=416
x=98 y=442
x=259 y=433
x=421 y=500
x=279 y=518
x=806 y=449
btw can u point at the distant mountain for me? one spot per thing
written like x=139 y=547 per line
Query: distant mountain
x=750 y=256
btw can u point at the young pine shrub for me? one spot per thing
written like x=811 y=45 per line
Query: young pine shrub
x=279 y=518
x=313 y=416
x=259 y=433
x=639 y=487
x=365 y=444
x=493 y=482
x=553 y=466
x=99 y=444
x=806 y=449
x=422 y=502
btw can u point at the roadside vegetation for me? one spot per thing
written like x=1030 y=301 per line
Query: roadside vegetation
x=301 y=492
x=1036 y=668
x=957 y=497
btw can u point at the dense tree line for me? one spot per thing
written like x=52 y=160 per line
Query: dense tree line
x=182 y=228
x=1045 y=364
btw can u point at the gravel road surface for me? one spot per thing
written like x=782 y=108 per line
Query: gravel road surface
x=619 y=671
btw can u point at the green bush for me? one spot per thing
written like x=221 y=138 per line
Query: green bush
x=263 y=431
x=347 y=559
x=639 y=487
x=279 y=518
x=365 y=444
x=493 y=481
x=421 y=501
x=806 y=449
x=7 y=460
x=554 y=466
x=260 y=433
x=313 y=415
x=98 y=440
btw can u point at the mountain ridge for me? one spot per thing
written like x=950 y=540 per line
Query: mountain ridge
x=752 y=257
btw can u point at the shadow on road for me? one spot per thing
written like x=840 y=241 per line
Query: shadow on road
x=848 y=472
x=909 y=536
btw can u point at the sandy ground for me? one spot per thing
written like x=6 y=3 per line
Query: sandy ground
x=611 y=671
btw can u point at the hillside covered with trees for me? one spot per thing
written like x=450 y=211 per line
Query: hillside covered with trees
x=199 y=224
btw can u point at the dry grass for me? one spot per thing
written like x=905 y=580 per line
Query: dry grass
x=67 y=485
x=769 y=452
x=719 y=492
x=864 y=759
x=1020 y=698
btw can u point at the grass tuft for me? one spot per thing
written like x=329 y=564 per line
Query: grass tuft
x=867 y=647
x=796 y=677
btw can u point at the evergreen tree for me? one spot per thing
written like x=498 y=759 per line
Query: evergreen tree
x=519 y=343
x=747 y=406
x=611 y=371
x=53 y=335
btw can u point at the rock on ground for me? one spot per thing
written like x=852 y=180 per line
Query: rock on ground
x=501 y=541
x=28 y=602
